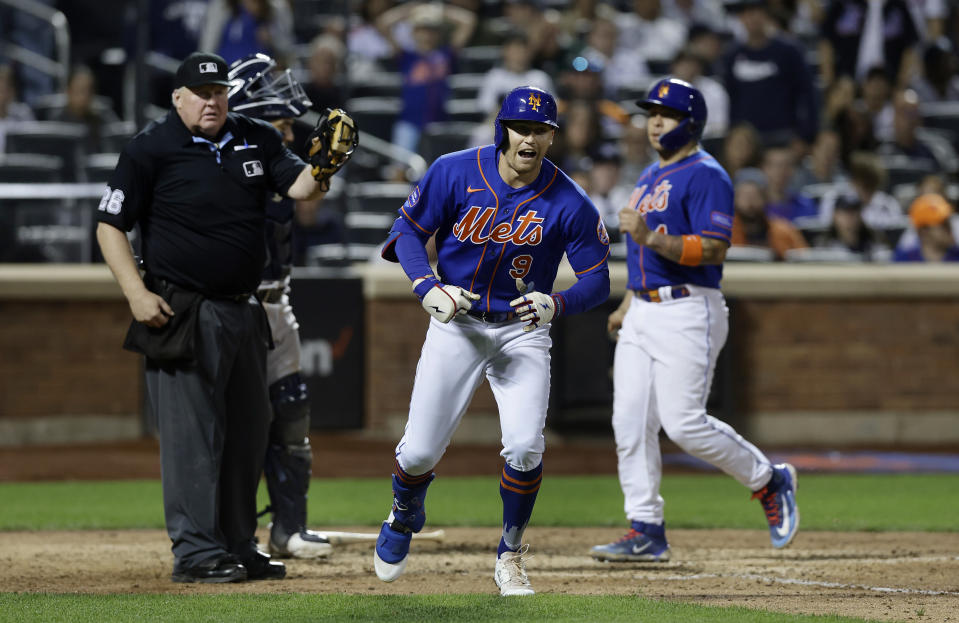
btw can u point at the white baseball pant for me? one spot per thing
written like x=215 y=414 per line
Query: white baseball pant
x=284 y=359
x=663 y=369
x=455 y=358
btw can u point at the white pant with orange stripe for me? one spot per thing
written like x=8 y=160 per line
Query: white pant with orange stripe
x=663 y=369
x=455 y=358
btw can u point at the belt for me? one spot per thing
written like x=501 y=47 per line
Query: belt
x=236 y=298
x=653 y=296
x=487 y=316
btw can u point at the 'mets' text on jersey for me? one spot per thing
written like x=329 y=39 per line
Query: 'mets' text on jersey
x=692 y=196
x=489 y=234
x=199 y=203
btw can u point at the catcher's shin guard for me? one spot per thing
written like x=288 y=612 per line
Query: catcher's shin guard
x=289 y=456
x=287 y=471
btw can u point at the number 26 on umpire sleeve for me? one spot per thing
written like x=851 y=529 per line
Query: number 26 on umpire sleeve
x=521 y=266
x=112 y=201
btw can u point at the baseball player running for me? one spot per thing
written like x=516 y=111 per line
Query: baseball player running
x=258 y=90
x=502 y=216
x=672 y=324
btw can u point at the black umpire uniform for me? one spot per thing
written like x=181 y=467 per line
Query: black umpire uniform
x=199 y=201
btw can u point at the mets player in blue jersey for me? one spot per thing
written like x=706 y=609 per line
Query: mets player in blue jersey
x=502 y=216
x=671 y=326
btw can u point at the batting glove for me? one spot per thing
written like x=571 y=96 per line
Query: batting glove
x=534 y=308
x=444 y=302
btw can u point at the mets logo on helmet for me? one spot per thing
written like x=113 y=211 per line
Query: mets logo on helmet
x=534 y=101
x=663 y=90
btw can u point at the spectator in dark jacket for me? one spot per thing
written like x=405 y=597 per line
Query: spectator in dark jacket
x=844 y=25
x=769 y=82
x=81 y=106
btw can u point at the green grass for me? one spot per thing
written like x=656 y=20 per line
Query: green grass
x=390 y=609
x=827 y=502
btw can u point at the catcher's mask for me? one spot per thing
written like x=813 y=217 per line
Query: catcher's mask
x=526 y=103
x=258 y=89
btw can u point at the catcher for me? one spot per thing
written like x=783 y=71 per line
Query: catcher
x=258 y=89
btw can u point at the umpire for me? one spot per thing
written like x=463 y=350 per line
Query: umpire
x=196 y=181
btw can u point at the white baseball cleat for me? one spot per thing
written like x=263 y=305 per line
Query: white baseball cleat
x=391 y=552
x=388 y=571
x=303 y=544
x=510 y=573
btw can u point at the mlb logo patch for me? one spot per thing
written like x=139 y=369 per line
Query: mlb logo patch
x=721 y=219
x=208 y=68
x=414 y=197
x=252 y=168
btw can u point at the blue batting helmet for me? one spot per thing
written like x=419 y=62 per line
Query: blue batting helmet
x=682 y=97
x=525 y=103
x=259 y=90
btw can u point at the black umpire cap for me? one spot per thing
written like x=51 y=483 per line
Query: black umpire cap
x=201 y=68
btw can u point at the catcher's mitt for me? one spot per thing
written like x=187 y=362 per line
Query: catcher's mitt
x=330 y=144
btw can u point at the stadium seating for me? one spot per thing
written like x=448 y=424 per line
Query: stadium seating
x=467 y=110
x=375 y=115
x=45 y=106
x=114 y=136
x=465 y=86
x=99 y=167
x=444 y=137
x=379 y=84
x=30 y=168
x=376 y=197
x=368 y=227
x=52 y=138
x=903 y=170
x=941 y=115
x=478 y=59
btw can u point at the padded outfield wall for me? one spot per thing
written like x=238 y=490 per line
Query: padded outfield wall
x=818 y=355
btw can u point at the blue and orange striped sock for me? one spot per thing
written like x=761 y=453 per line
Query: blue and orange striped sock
x=518 y=490
x=409 y=497
x=409 y=481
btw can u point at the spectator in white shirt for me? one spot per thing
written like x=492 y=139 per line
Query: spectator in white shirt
x=653 y=36
x=623 y=66
x=515 y=70
x=867 y=177
x=689 y=67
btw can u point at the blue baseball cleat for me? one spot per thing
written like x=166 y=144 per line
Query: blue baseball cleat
x=779 y=501
x=392 y=550
x=643 y=543
x=406 y=517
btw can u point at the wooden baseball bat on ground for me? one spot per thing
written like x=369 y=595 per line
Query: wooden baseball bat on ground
x=344 y=538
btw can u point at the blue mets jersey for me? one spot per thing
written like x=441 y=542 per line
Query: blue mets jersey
x=692 y=196
x=488 y=234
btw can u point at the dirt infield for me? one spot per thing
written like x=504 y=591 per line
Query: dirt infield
x=881 y=576
x=890 y=577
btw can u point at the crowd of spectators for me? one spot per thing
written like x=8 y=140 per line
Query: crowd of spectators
x=832 y=117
